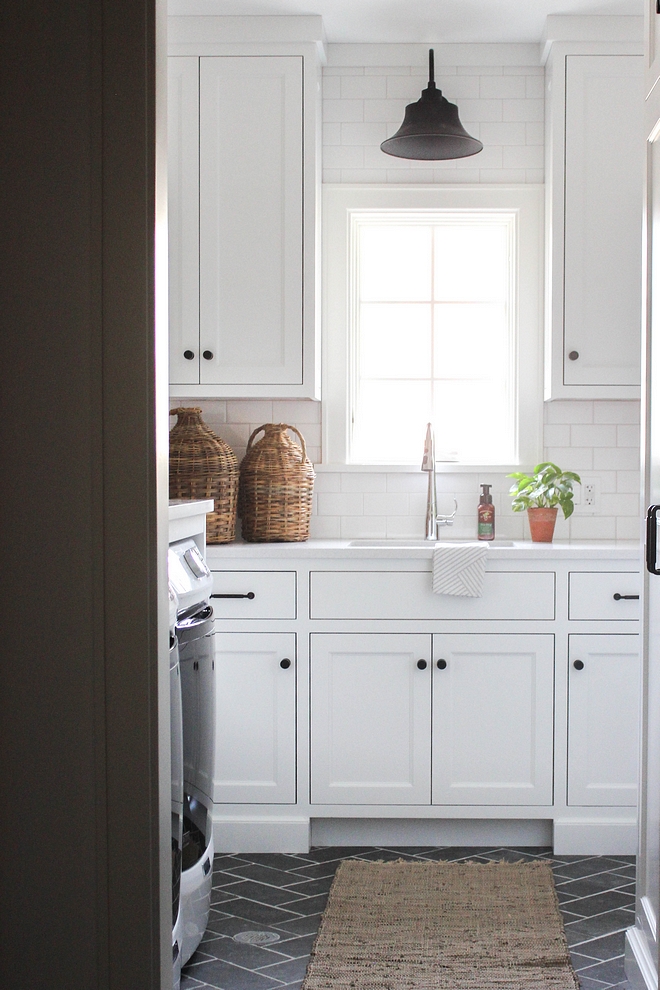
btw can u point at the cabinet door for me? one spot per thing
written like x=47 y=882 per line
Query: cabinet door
x=652 y=45
x=183 y=217
x=255 y=738
x=603 y=720
x=493 y=719
x=371 y=719
x=604 y=167
x=251 y=221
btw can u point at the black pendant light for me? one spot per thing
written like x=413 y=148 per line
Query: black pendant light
x=431 y=129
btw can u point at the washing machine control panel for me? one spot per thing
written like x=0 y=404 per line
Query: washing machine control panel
x=188 y=573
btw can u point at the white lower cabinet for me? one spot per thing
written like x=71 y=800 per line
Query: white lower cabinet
x=482 y=717
x=493 y=719
x=371 y=718
x=603 y=720
x=255 y=677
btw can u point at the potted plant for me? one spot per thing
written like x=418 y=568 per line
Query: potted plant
x=541 y=493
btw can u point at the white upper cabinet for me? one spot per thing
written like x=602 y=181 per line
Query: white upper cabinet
x=652 y=45
x=595 y=167
x=242 y=213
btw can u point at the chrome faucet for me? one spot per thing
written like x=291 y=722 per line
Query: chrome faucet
x=433 y=520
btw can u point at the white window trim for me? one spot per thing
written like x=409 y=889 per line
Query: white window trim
x=339 y=202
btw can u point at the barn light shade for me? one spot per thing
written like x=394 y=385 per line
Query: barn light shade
x=431 y=130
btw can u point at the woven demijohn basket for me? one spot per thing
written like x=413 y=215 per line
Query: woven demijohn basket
x=204 y=466
x=277 y=481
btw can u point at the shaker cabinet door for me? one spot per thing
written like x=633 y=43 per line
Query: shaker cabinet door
x=255 y=736
x=251 y=220
x=493 y=719
x=371 y=718
x=603 y=720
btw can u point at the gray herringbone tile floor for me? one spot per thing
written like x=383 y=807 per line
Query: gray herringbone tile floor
x=266 y=909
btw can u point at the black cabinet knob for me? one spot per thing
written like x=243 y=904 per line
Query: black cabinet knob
x=285 y=664
x=422 y=665
x=207 y=355
x=578 y=665
x=441 y=665
x=188 y=355
x=573 y=355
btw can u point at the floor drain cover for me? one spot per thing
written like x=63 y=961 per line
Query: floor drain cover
x=256 y=938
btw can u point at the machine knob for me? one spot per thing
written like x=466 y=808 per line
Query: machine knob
x=441 y=665
x=578 y=665
x=188 y=355
x=422 y=665
x=285 y=664
x=208 y=355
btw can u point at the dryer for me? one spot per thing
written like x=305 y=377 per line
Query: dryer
x=193 y=583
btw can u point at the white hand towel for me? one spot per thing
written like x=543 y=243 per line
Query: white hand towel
x=459 y=568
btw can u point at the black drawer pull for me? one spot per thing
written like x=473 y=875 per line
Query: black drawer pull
x=625 y=598
x=249 y=595
x=578 y=664
x=441 y=665
x=285 y=663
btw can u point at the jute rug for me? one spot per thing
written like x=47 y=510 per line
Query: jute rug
x=464 y=926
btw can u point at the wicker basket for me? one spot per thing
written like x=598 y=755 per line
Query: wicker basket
x=204 y=466
x=277 y=480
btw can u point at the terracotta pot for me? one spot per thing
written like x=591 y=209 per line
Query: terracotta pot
x=542 y=524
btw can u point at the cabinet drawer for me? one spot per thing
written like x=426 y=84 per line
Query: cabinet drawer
x=592 y=595
x=254 y=594
x=409 y=595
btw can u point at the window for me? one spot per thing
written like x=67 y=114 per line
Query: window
x=432 y=314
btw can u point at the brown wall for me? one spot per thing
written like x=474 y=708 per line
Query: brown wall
x=79 y=557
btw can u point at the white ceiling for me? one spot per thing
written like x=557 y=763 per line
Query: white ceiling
x=420 y=20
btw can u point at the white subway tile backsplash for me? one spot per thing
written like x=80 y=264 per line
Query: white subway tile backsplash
x=331 y=87
x=482 y=110
x=297 y=412
x=593 y=435
x=340 y=504
x=535 y=175
x=344 y=156
x=522 y=156
x=364 y=133
x=249 y=411
x=502 y=87
x=504 y=175
x=616 y=412
x=368 y=482
x=593 y=527
x=343 y=110
x=535 y=87
x=629 y=528
x=403 y=527
x=571 y=458
x=401 y=482
x=386 y=504
x=535 y=132
x=512 y=132
x=332 y=134
x=327 y=481
x=619 y=505
x=617 y=459
x=628 y=435
x=363 y=527
x=522 y=110
x=363 y=175
x=570 y=411
x=363 y=87
x=628 y=481
x=557 y=435
x=325 y=527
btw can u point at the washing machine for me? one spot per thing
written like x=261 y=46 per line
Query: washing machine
x=193 y=583
x=176 y=749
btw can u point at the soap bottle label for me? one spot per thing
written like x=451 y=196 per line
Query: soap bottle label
x=486 y=522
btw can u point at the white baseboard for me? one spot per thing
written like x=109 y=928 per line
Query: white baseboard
x=258 y=835
x=641 y=972
x=595 y=838
x=430 y=831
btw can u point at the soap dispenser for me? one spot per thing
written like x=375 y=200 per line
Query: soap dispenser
x=486 y=515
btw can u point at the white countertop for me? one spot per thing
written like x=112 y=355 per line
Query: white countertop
x=420 y=550
x=184 y=508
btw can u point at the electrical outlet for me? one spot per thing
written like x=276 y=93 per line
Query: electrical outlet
x=586 y=497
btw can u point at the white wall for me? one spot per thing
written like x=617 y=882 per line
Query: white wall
x=499 y=91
